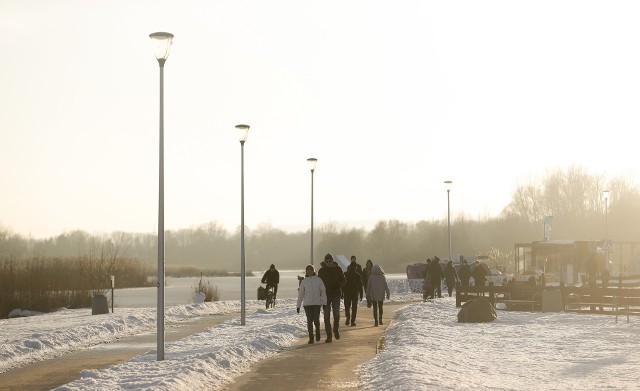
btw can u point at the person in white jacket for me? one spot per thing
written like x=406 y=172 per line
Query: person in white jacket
x=314 y=295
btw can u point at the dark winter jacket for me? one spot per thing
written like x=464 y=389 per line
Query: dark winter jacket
x=333 y=279
x=271 y=277
x=428 y=279
x=450 y=275
x=357 y=266
x=465 y=274
x=353 y=285
x=436 y=271
x=479 y=275
x=365 y=276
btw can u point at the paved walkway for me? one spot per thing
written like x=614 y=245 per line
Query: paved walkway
x=48 y=374
x=321 y=366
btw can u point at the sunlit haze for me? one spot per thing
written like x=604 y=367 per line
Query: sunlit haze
x=392 y=98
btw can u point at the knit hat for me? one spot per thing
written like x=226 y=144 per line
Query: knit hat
x=328 y=256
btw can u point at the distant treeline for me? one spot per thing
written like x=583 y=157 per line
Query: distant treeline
x=573 y=197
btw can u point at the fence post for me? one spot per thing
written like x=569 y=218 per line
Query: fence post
x=113 y=284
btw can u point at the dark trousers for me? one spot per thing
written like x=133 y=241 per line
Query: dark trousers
x=377 y=310
x=450 y=286
x=313 y=318
x=351 y=307
x=437 y=287
x=333 y=304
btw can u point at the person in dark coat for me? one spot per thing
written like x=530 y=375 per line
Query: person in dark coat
x=334 y=281
x=366 y=272
x=479 y=274
x=272 y=278
x=352 y=293
x=436 y=277
x=356 y=265
x=427 y=286
x=450 y=277
x=465 y=273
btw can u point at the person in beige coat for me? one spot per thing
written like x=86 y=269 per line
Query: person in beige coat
x=313 y=294
x=376 y=289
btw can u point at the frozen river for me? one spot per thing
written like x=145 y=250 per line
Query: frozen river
x=179 y=291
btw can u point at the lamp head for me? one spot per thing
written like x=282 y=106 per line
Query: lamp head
x=605 y=195
x=161 y=45
x=312 y=163
x=447 y=185
x=243 y=132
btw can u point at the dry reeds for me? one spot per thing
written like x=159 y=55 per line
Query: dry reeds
x=210 y=291
x=46 y=284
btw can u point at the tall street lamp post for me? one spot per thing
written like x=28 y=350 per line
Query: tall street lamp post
x=312 y=165
x=605 y=196
x=447 y=185
x=161 y=45
x=243 y=132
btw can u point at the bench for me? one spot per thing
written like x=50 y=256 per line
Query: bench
x=623 y=301
x=512 y=296
x=518 y=298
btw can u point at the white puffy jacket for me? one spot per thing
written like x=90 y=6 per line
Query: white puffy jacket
x=312 y=291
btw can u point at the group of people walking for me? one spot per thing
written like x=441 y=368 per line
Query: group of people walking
x=326 y=289
x=434 y=275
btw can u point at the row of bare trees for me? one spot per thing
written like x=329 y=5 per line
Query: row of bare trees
x=573 y=197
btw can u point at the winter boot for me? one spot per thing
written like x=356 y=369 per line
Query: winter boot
x=337 y=333
x=317 y=334
x=347 y=322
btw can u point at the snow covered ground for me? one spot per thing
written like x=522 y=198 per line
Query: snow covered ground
x=425 y=348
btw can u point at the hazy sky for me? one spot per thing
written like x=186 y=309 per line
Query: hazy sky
x=392 y=97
